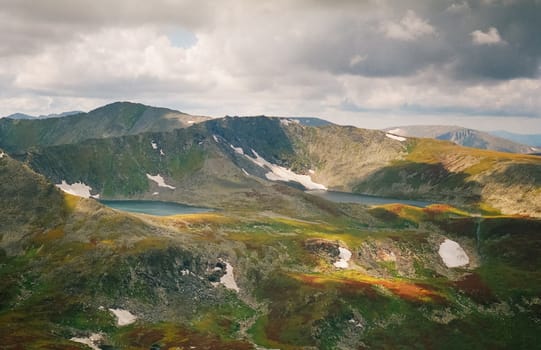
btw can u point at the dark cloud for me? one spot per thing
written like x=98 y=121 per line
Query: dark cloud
x=517 y=23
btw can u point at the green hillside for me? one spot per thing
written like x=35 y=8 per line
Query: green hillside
x=116 y=119
x=71 y=269
x=214 y=164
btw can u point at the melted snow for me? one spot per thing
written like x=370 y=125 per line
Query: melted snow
x=238 y=150
x=452 y=254
x=91 y=341
x=160 y=181
x=278 y=173
x=394 y=137
x=228 y=280
x=76 y=189
x=124 y=317
x=344 y=257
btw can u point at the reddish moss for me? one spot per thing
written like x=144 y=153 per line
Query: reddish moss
x=474 y=287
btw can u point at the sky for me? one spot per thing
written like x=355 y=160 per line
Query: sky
x=372 y=64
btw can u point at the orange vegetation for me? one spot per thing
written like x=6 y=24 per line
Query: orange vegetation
x=403 y=289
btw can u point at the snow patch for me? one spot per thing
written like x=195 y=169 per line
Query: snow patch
x=155 y=193
x=161 y=152
x=452 y=254
x=2 y=154
x=228 y=280
x=91 y=341
x=159 y=180
x=287 y=121
x=190 y=122
x=215 y=138
x=76 y=189
x=397 y=131
x=394 y=137
x=123 y=317
x=154 y=144
x=345 y=256
x=95 y=196
x=238 y=150
x=245 y=172
x=278 y=173
x=310 y=171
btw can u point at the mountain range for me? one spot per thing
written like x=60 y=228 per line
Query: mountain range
x=465 y=137
x=272 y=266
x=533 y=139
x=54 y=115
x=116 y=119
x=224 y=156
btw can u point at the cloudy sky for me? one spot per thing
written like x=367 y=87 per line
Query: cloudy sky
x=373 y=63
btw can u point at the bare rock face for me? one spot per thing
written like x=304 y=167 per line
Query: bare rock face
x=324 y=248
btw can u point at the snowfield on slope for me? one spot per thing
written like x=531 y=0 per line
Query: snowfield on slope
x=278 y=173
x=238 y=150
x=344 y=257
x=228 y=280
x=394 y=137
x=123 y=317
x=160 y=181
x=76 y=189
x=452 y=254
x=91 y=341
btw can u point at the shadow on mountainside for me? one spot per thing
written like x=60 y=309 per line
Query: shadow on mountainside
x=421 y=181
x=262 y=134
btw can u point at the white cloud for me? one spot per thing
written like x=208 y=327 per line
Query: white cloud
x=410 y=27
x=490 y=37
x=355 y=60
x=458 y=8
x=273 y=58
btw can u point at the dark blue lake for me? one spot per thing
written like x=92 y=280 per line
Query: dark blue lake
x=157 y=208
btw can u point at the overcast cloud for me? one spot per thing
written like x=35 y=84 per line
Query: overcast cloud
x=372 y=63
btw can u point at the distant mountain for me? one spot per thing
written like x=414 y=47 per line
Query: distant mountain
x=116 y=119
x=308 y=121
x=531 y=139
x=60 y=115
x=464 y=137
x=18 y=116
x=54 y=115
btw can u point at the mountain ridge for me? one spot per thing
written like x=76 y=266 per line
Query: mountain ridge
x=464 y=137
x=233 y=156
x=115 y=119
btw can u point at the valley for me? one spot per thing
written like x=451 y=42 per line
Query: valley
x=452 y=263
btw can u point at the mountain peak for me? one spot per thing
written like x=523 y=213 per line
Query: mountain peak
x=462 y=136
